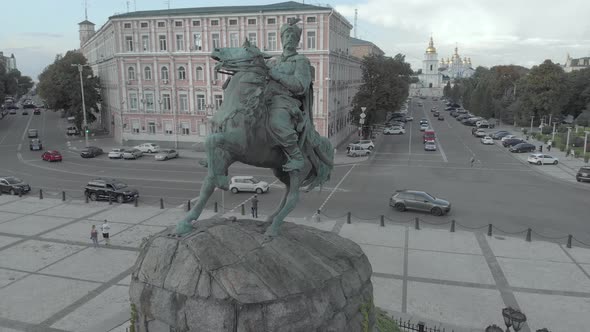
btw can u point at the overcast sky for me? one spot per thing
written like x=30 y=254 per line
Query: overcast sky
x=490 y=32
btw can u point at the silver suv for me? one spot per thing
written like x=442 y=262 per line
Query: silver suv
x=419 y=200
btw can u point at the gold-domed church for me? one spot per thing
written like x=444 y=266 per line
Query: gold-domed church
x=455 y=67
x=430 y=77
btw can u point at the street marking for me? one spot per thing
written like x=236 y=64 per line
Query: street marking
x=25 y=131
x=334 y=190
x=442 y=152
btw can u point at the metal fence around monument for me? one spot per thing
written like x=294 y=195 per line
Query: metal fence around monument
x=408 y=326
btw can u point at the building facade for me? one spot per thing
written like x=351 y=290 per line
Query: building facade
x=455 y=67
x=572 y=64
x=430 y=77
x=158 y=80
x=9 y=62
x=361 y=48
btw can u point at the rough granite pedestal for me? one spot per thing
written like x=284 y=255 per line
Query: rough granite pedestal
x=223 y=277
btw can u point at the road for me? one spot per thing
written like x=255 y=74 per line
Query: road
x=499 y=189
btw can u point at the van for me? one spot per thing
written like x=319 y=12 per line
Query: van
x=429 y=136
x=72 y=131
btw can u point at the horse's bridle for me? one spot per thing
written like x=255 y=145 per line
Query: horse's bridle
x=237 y=63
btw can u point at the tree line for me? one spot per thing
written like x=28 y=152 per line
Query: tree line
x=13 y=84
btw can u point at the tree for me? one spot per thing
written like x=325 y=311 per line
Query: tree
x=447 y=89
x=12 y=83
x=456 y=93
x=579 y=86
x=59 y=85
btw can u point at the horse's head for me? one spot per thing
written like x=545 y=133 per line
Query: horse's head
x=235 y=59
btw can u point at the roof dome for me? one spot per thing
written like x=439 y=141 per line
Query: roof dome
x=431 y=48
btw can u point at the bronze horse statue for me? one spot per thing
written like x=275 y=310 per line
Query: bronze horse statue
x=239 y=133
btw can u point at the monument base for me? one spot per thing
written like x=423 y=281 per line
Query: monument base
x=223 y=277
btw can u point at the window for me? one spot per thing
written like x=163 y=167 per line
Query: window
x=234 y=39
x=181 y=73
x=200 y=74
x=177 y=23
x=127 y=25
x=233 y=22
x=149 y=102
x=218 y=101
x=131 y=73
x=185 y=128
x=161 y=24
x=165 y=102
x=251 y=21
x=165 y=73
x=143 y=24
x=151 y=127
x=311 y=19
x=197 y=41
x=129 y=43
x=214 y=22
x=179 y=42
x=145 y=42
x=311 y=40
x=215 y=40
x=162 y=40
x=183 y=103
x=271 y=21
x=252 y=38
x=202 y=129
x=147 y=73
x=135 y=126
x=196 y=23
x=133 y=100
x=272 y=41
x=168 y=127
x=200 y=103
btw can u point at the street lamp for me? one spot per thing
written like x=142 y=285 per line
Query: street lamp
x=553 y=133
x=532 y=118
x=585 y=142
x=80 y=67
x=362 y=118
x=567 y=141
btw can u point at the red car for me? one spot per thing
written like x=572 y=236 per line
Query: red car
x=51 y=155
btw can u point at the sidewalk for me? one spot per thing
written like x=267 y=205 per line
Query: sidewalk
x=52 y=279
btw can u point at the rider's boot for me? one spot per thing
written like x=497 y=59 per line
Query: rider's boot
x=295 y=157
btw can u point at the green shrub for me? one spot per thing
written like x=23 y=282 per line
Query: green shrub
x=561 y=147
x=525 y=131
x=547 y=130
x=133 y=318
x=385 y=323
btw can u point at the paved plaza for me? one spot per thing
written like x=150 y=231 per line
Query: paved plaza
x=52 y=279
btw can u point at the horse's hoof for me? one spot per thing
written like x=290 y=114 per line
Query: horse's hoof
x=269 y=235
x=184 y=227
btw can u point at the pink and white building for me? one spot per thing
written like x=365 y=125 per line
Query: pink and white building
x=159 y=85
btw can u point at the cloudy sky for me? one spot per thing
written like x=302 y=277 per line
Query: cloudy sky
x=491 y=32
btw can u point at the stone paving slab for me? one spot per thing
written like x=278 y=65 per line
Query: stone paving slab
x=4 y=329
x=95 y=264
x=572 y=314
x=391 y=235
x=109 y=303
x=127 y=213
x=33 y=255
x=134 y=235
x=325 y=225
x=73 y=210
x=581 y=255
x=447 y=266
x=32 y=224
x=388 y=293
x=170 y=217
x=5 y=198
x=29 y=206
x=36 y=298
x=443 y=240
x=535 y=250
x=8 y=276
x=385 y=259
x=6 y=240
x=6 y=216
x=125 y=281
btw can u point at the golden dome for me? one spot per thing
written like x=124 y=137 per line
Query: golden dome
x=431 y=48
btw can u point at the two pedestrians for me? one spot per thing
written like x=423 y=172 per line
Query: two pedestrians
x=255 y=206
x=94 y=236
x=105 y=228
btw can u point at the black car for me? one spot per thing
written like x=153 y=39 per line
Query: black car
x=105 y=189
x=512 y=142
x=91 y=152
x=523 y=147
x=25 y=106
x=25 y=112
x=13 y=185
x=436 y=113
x=583 y=174
x=37 y=111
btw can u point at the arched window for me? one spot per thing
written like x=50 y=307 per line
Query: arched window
x=181 y=73
x=131 y=73
x=312 y=73
x=200 y=74
x=147 y=73
x=164 y=73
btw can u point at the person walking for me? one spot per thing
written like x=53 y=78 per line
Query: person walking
x=105 y=228
x=549 y=147
x=94 y=236
x=471 y=161
x=572 y=153
x=255 y=206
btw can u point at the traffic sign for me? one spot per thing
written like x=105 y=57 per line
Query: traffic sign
x=362 y=121
x=363 y=115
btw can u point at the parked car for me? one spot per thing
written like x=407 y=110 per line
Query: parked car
x=248 y=183
x=148 y=147
x=487 y=140
x=480 y=133
x=52 y=155
x=499 y=134
x=409 y=118
x=116 y=153
x=33 y=133
x=522 y=147
x=583 y=174
x=166 y=154
x=12 y=111
x=365 y=143
x=441 y=118
x=13 y=185
x=72 y=130
x=91 y=152
x=397 y=130
x=403 y=200
x=512 y=142
x=542 y=159
x=132 y=154
x=507 y=137
x=37 y=111
x=424 y=126
x=357 y=151
x=430 y=146
x=436 y=114
x=35 y=145
x=105 y=189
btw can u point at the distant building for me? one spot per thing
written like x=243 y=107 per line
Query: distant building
x=361 y=48
x=430 y=77
x=158 y=80
x=572 y=64
x=455 y=67
x=9 y=62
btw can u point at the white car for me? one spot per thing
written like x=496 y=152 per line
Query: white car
x=409 y=118
x=480 y=133
x=542 y=159
x=487 y=140
x=394 y=131
x=166 y=154
x=424 y=126
x=357 y=151
x=248 y=183
x=148 y=147
x=365 y=143
x=132 y=154
x=116 y=153
x=430 y=146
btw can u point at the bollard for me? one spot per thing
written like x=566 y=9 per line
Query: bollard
x=489 y=229
x=421 y=327
x=86 y=197
x=417 y=223
x=188 y=205
x=63 y=196
x=569 y=241
x=40 y=193
x=110 y=199
x=20 y=193
x=318 y=219
x=348 y=217
x=453 y=226
x=382 y=221
x=528 y=235
x=215 y=207
x=136 y=202
x=243 y=210
x=161 y=203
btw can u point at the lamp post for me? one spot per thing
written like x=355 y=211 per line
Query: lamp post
x=532 y=118
x=585 y=142
x=567 y=141
x=362 y=119
x=80 y=67
x=553 y=133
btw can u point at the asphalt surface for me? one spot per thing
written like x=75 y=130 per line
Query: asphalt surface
x=498 y=189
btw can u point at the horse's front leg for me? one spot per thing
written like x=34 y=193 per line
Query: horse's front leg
x=290 y=201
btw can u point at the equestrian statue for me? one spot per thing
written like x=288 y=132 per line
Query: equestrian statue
x=266 y=121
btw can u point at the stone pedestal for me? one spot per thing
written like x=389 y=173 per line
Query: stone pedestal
x=223 y=277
